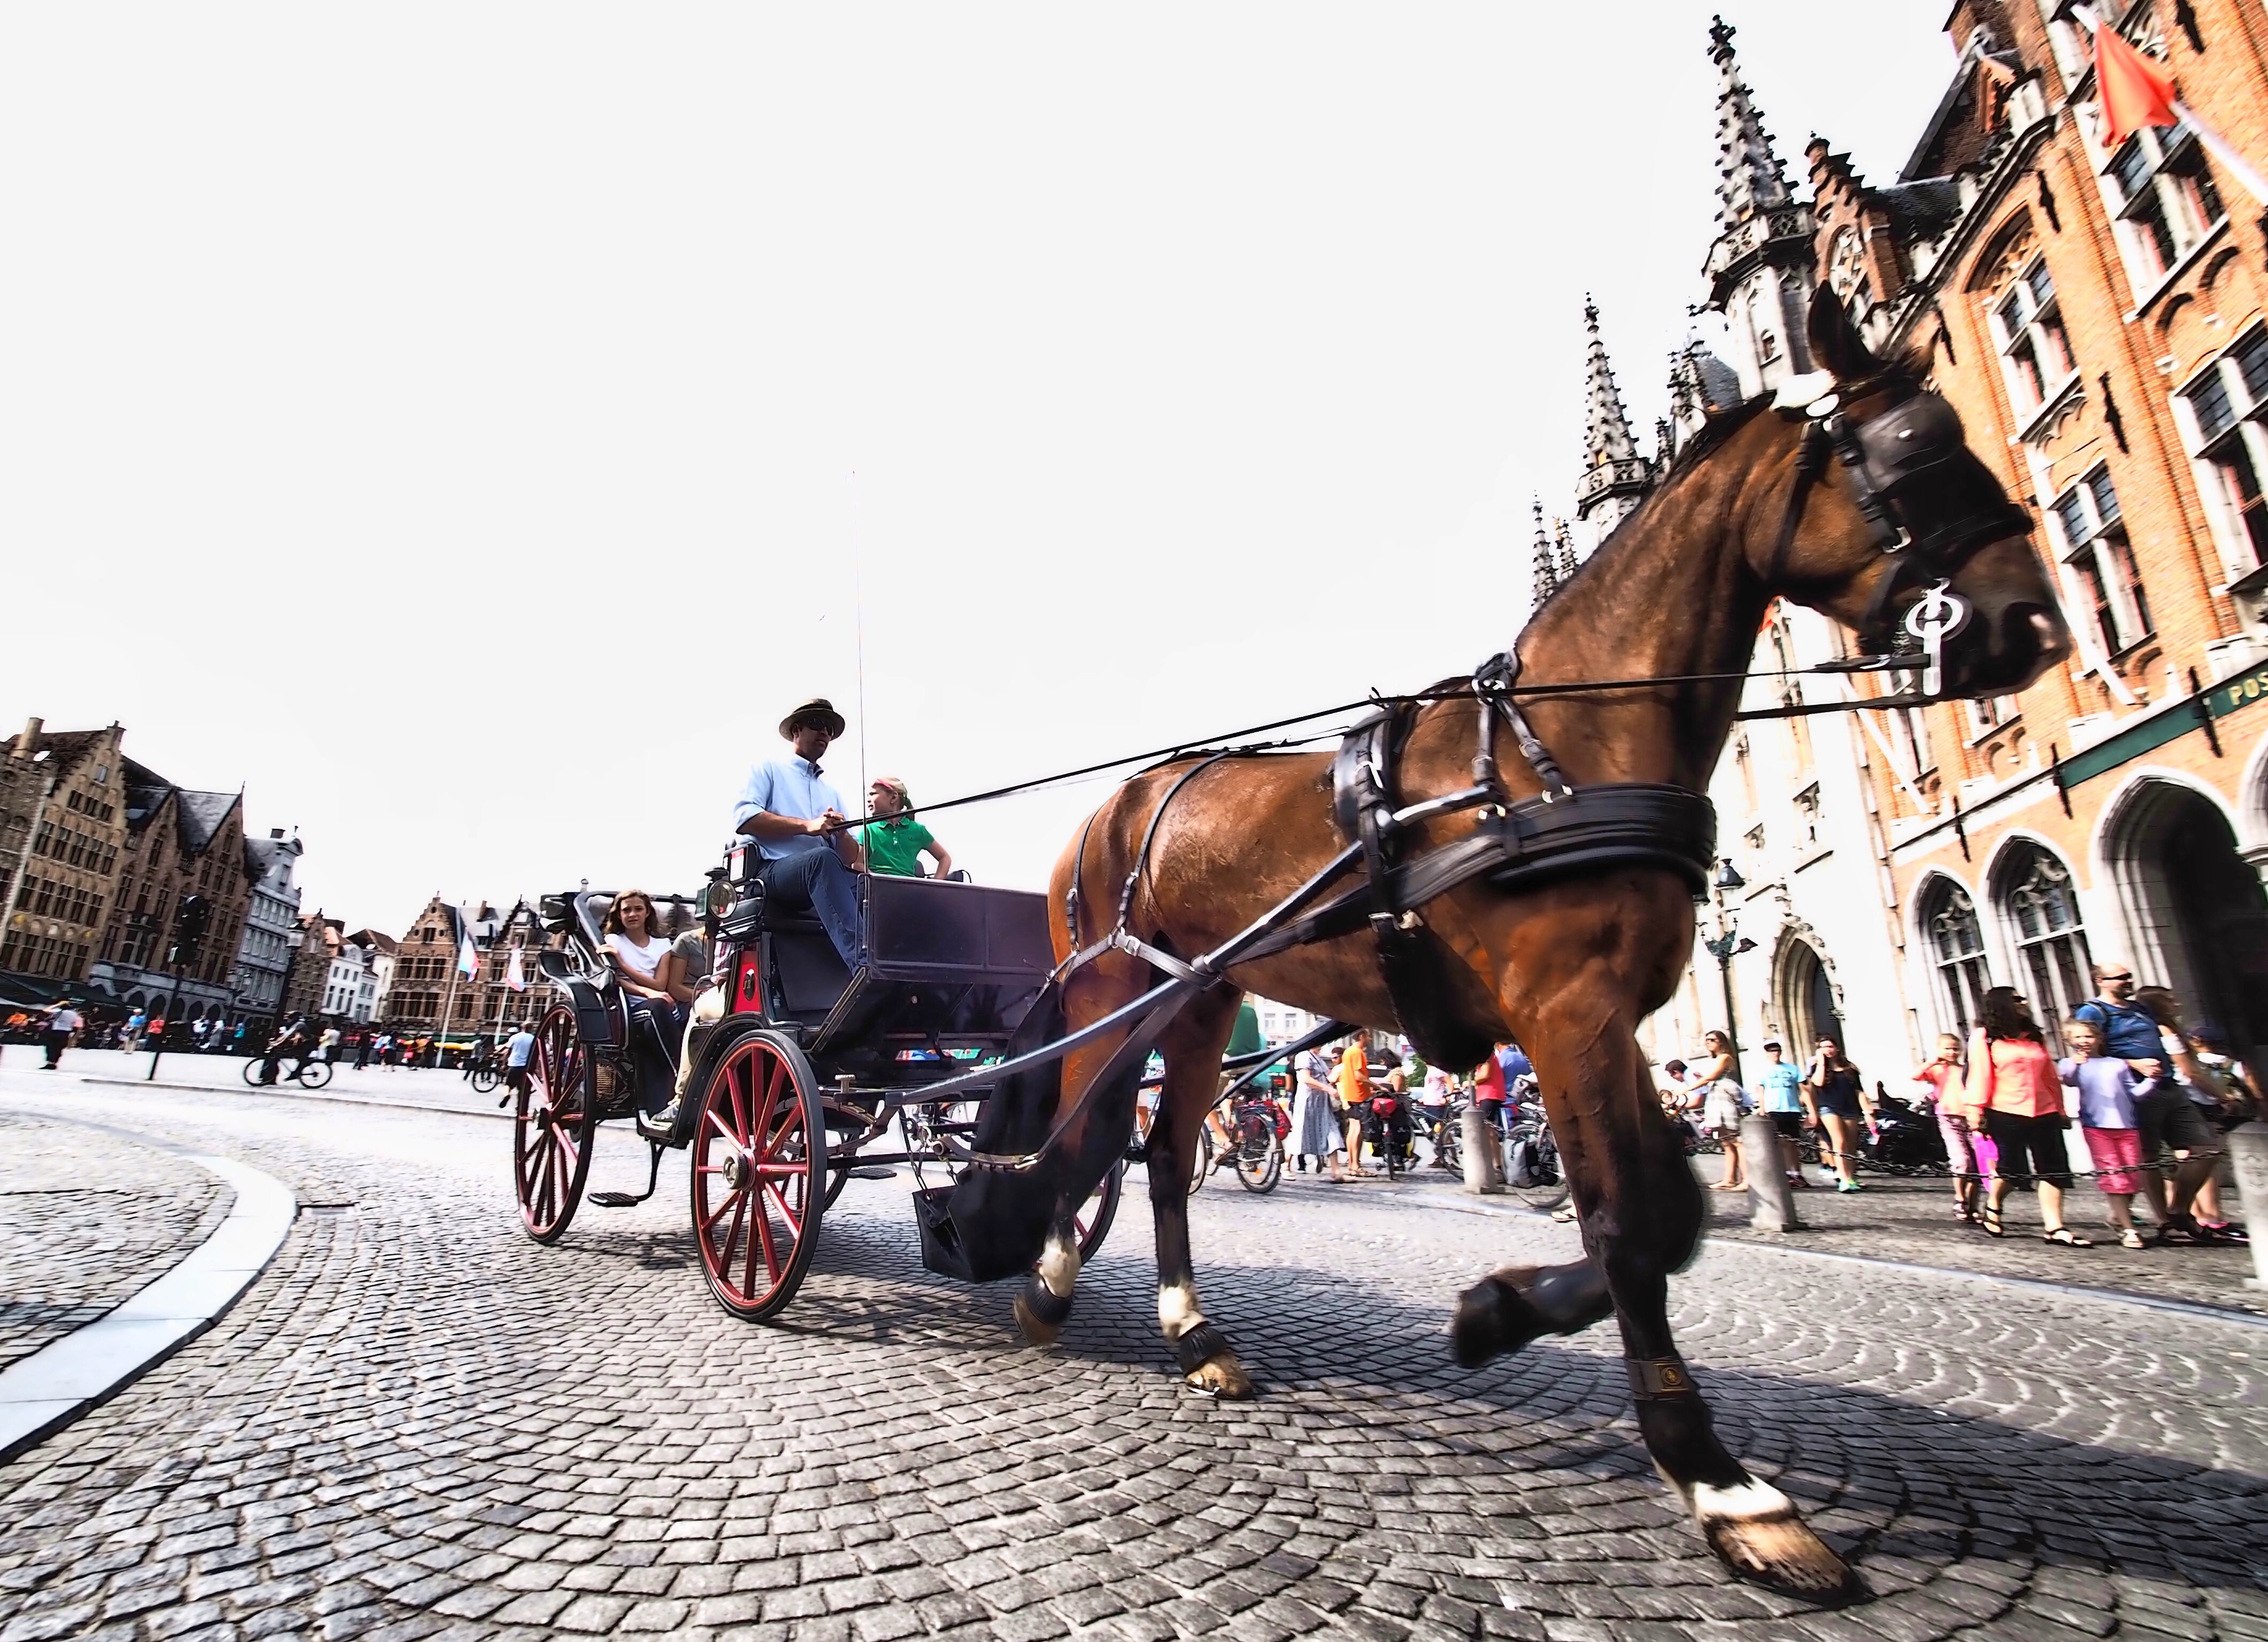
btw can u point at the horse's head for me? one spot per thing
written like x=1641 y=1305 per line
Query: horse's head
x=1892 y=524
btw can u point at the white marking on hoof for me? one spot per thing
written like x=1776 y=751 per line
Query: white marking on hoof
x=1178 y=1311
x=1059 y=1266
x=1742 y=1502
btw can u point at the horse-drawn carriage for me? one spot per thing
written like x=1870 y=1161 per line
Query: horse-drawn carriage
x=801 y=1075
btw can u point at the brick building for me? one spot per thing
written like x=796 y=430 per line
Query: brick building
x=428 y=991
x=2097 y=318
x=62 y=831
x=180 y=842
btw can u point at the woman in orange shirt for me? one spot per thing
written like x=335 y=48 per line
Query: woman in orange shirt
x=2013 y=1082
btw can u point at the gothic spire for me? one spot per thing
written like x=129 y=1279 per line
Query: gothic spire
x=1540 y=562
x=1616 y=478
x=1563 y=549
x=1749 y=178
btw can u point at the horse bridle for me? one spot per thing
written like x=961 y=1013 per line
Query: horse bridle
x=1890 y=459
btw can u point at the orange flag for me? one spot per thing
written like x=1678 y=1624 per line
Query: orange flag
x=2136 y=91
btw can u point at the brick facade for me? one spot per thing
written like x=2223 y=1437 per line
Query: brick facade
x=63 y=834
x=2097 y=318
x=426 y=993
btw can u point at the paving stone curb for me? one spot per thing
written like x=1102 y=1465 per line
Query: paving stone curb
x=41 y=1393
x=278 y=1094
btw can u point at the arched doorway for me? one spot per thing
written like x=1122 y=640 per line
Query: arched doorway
x=2196 y=908
x=1805 y=997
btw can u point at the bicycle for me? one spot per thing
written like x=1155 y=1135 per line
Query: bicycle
x=485 y=1077
x=1258 y=1136
x=308 y=1073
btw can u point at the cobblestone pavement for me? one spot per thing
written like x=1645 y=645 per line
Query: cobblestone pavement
x=419 y=1423
x=85 y=1219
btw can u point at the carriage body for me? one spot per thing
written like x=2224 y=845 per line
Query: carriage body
x=799 y=1069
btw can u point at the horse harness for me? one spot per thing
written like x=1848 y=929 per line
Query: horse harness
x=1889 y=459
x=1516 y=844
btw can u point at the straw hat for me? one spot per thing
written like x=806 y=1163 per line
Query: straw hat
x=818 y=710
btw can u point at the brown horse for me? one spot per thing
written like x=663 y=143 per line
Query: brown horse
x=1569 y=968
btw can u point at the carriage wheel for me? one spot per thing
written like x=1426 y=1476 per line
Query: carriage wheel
x=758 y=1175
x=555 y=1125
x=1092 y=1221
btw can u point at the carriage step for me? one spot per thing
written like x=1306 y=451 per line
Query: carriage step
x=874 y=1173
x=615 y=1200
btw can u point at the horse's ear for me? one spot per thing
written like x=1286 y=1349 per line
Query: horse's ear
x=1835 y=344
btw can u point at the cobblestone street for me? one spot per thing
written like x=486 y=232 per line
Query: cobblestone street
x=418 y=1422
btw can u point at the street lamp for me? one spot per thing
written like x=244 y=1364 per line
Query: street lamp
x=1729 y=944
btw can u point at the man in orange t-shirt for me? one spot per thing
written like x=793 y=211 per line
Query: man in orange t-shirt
x=1353 y=1079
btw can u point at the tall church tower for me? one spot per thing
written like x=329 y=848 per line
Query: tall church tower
x=1760 y=266
x=1541 y=563
x=1616 y=478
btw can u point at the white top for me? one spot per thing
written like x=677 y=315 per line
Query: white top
x=63 y=1020
x=641 y=961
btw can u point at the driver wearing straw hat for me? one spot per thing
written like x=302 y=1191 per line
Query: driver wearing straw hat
x=796 y=820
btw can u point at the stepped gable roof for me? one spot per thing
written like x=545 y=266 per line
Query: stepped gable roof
x=64 y=748
x=378 y=939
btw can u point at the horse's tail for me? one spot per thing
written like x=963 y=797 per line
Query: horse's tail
x=999 y=1218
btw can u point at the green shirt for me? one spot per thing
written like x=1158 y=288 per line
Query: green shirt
x=894 y=846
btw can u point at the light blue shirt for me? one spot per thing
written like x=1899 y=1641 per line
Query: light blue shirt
x=786 y=787
x=1780 y=1084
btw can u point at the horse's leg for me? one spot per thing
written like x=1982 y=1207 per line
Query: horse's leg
x=1045 y=1301
x=1192 y=1050
x=1642 y=1214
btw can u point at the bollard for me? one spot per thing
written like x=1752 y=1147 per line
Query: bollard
x=1484 y=1157
x=1771 y=1202
x=2248 y=1149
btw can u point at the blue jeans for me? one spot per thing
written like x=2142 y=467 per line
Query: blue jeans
x=817 y=879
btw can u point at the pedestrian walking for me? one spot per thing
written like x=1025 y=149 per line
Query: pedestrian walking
x=1780 y=1090
x=62 y=1022
x=2017 y=1087
x=134 y=1022
x=1839 y=1105
x=2192 y=1111
x=362 y=1050
x=517 y=1050
x=1958 y=1124
x=1314 y=1130
x=2106 y=1086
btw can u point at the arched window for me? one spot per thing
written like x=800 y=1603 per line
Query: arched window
x=2036 y=897
x=1956 y=951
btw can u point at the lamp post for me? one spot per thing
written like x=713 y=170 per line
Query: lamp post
x=1729 y=944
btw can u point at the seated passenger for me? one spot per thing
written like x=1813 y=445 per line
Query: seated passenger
x=895 y=842
x=645 y=965
x=796 y=819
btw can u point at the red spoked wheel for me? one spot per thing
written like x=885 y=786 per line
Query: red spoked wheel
x=758 y=1175
x=555 y=1125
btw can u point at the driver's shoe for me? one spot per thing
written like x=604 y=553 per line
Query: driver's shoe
x=660 y=1125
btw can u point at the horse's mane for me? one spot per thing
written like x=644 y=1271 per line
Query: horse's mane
x=1909 y=368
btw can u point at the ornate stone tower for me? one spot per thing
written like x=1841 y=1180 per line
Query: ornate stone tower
x=1760 y=266
x=1541 y=563
x=1616 y=478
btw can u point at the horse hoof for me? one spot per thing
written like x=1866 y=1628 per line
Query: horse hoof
x=1493 y=1317
x=1034 y=1332
x=1764 y=1540
x=1221 y=1375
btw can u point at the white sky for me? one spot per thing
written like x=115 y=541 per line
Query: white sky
x=442 y=420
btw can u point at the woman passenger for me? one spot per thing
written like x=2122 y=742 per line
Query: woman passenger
x=647 y=967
